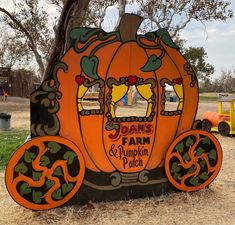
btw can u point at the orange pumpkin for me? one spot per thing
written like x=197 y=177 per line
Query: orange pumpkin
x=130 y=59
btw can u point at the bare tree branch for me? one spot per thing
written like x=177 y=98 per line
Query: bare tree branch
x=121 y=8
x=176 y=15
x=32 y=45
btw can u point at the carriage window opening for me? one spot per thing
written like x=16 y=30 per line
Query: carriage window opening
x=132 y=104
x=89 y=99
x=173 y=98
x=131 y=99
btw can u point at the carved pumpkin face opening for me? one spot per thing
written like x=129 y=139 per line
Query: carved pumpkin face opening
x=132 y=104
x=130 y=86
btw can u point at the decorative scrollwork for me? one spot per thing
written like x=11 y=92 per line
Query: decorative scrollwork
x=190 y=72
x=48 y=97
x=116 y=179
x=88 y=36
x=143 y=176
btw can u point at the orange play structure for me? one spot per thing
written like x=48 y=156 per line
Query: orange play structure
x=79 y=154
x=222 y=121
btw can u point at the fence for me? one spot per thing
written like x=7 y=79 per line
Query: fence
x=19 y=83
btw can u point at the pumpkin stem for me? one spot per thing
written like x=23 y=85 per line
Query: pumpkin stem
x=129 y=26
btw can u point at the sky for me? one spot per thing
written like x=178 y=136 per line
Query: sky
x=218 y=38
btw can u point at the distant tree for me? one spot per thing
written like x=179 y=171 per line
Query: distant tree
x=206 y=85
x=216 y=85
x=96 y=12
x=12 y=51
x=224 y=83
x=58 y=3
x=227 y=80
x=29 y=24
x=197 y=58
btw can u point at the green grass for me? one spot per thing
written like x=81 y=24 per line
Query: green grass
x=208 y=98
x=9 y=142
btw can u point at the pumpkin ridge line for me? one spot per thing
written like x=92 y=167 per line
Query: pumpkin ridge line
x=84 y=145
x=177 y=68
x=156 y=114
x=106 y=106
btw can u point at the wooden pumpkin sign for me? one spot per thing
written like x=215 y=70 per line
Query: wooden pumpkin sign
x=79 y=153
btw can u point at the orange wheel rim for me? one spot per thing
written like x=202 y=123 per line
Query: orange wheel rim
x=193 y=160
x=45 y=173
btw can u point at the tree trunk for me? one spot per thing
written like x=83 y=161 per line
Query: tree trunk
x=72 y=15
x=121 y=8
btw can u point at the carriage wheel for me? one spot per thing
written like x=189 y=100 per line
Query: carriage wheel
x=224 y=128
x=193 y=160
x=45 y=173
x=206 y=125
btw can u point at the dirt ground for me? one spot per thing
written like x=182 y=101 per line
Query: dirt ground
x=213 y=206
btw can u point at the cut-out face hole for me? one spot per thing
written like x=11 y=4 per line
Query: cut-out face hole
x=132 y=104
x=91 y=98
x=131 y=99
x=171 y=99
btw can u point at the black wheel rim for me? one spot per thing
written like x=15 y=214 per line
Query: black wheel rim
x=224 y=129
x=206 y=125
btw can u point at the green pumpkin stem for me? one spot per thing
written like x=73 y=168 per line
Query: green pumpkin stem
x=129 y=26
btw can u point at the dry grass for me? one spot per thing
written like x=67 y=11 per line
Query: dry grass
x=213 y=206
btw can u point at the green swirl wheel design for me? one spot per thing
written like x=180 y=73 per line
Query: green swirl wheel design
x=193 y=160
x=45 y=173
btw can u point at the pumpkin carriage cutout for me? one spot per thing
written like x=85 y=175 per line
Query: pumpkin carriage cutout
x=78 y=154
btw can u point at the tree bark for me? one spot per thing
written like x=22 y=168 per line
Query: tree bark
x=76 y=18
x=72 y=15
x=121 y=8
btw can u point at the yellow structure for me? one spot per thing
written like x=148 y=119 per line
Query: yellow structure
x=222 y=121
x=226 y=117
